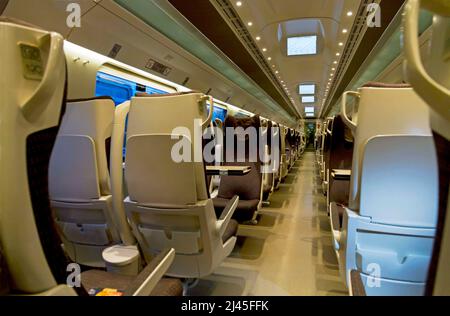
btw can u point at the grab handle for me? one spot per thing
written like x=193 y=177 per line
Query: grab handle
x=436 y=95
x=347 y=121
x=207 y=122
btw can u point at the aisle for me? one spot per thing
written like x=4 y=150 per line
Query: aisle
x=292 y=253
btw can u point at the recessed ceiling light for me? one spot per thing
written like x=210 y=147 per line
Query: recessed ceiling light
x=308 y=99
x=302 y=45
x=335 y=62
x=269 y=59
x=333 y=69
x=349 y=13
x=338 y=54
x=344 y=31
x=264 y=49
x=277 y=72
x=249 y=23
x=273 y=66
x=239 y=3
x=341 y=44
x=258 y=38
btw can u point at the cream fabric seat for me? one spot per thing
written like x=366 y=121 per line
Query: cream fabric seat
x=389 y=226
x=79 y=181
x=284 y=162
x=32 y=261
x=168 y=204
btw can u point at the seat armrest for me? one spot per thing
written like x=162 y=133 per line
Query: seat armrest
x=226 y=215
x=357 y=285
x=146 y=281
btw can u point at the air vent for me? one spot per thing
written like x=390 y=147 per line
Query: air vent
x=158 y=67
x=186 y=80
x=115 y=51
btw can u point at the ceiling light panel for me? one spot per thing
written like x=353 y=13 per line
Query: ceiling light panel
x=309 y=99
x=302 y=45
x=307 y=89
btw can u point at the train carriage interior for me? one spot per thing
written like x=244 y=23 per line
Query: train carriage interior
x=224 y=148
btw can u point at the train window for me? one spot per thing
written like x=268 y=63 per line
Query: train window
x=151 y=90
x=219 y=113
x=120 y=89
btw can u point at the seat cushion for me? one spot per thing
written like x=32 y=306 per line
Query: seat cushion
x=99 y=279
x=168 y=287
x=230 y=231
x=244 y=211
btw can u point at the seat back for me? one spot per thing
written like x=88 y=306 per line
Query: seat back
x=154 y=161
x=32 y=94
x=213 y=150
x=391 y=110
x=81 y=151
x=168 y=204
x=283 y=150
x=277 y=135
x=79 y=181
x=248 y=187
x=268 y=177
x=328 y=130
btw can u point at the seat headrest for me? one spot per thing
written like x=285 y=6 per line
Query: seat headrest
x=245 y=122
x=90 y=99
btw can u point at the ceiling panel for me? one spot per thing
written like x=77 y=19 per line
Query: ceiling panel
x=273 y=21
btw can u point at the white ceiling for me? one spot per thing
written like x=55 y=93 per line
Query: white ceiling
x=275 y=20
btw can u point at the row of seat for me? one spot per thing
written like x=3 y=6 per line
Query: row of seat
x=124 y=215
x=176 y=211
x=382 y=177
x=32 y=260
